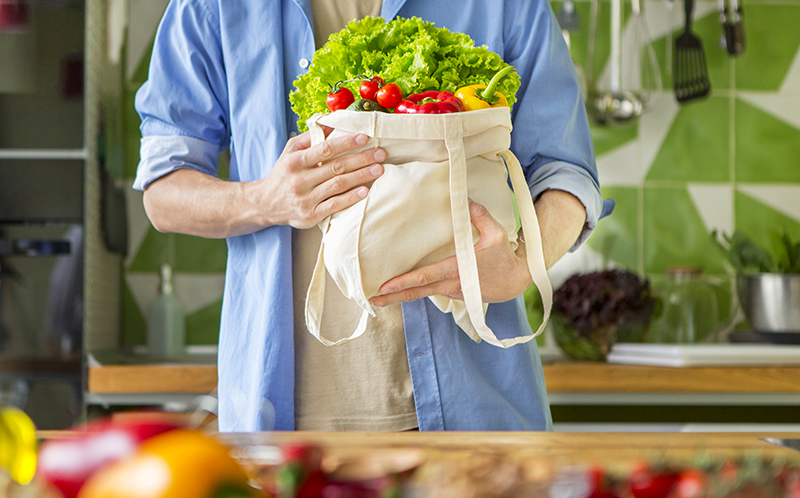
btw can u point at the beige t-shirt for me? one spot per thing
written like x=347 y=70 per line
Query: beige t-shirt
x=364 y=384
x=331 y=16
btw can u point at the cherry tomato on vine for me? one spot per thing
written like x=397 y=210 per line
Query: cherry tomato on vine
x=368 y=88
x=389 y=96
x=339 y=99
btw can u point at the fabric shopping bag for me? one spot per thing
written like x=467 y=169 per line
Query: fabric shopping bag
x=417 y=212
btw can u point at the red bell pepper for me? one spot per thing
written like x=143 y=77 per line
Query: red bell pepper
x=430 y=102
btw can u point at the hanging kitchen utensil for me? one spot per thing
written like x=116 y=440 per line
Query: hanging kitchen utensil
x=616 y=107
x=643 y=65
x=690 y=72
x=568 y=19
x=732 y=27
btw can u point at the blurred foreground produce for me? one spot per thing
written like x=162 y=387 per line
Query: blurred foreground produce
x=65 y=464
x=749 y=477
x=307 y=472
x=179 y=463
x=17 y=444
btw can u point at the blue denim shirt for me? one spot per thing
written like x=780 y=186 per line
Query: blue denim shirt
x=220 y=76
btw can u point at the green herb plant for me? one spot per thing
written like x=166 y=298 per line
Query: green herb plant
x=412 y=53
x=748 y=257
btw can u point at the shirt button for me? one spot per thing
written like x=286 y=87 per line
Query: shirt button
x=292 y=134
x=304 y=63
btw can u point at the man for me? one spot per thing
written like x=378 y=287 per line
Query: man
x=220 y=77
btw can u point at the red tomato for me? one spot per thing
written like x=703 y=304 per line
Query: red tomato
x=691 y=483
x=646 y=482
x=598 y=483
x=308 y=456
x=369 y=88
x=339 y=100
x=389 y=96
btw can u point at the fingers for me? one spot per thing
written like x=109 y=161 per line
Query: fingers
x=327 y=150
x=440 y=278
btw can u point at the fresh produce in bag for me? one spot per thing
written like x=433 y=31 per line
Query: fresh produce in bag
x=438 y=159
x=404 y=56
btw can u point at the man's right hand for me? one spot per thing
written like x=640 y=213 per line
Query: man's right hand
x=310 y=183
x=306 y=184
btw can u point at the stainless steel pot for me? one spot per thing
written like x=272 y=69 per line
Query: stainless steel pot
x=771 y=302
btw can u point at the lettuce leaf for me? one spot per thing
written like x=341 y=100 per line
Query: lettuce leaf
x=414 y=54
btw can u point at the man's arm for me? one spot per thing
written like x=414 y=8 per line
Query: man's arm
x=306 y=185
x=561 y=220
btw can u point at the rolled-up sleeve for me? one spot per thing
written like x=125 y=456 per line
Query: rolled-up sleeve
x=551 y=135
x=183 y=104
x=577 y=181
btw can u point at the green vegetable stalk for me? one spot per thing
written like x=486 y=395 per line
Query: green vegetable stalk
x=414 y=54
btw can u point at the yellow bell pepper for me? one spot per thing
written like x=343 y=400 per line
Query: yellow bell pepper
x=475 y=97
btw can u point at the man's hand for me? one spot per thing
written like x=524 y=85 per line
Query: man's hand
x=503 y=273
x=310 y=183
x=305 y=185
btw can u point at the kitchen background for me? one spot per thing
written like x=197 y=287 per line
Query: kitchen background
x=728 y=162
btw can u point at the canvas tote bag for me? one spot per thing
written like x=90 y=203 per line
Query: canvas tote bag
x=417 y=212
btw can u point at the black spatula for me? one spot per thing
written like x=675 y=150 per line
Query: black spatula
x=690 y=72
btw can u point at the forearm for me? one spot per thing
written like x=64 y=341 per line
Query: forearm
x=193 y=203
x=561 y=219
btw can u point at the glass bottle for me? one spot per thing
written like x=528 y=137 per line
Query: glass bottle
x=690 y=309
x=165 y=320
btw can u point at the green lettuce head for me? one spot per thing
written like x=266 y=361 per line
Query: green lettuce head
x=414 y=54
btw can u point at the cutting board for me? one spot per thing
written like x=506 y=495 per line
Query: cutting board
x=704 y=355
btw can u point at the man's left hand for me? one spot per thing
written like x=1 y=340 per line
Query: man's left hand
x=503 y=273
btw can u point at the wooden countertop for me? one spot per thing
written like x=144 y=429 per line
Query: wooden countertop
x=561 y=377
x=559 y=448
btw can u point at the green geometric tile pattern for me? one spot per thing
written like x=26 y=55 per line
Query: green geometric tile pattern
x=760 y=221
x=134 y=325
x=616 y=236
x=202 y=327
x=696 y=148
x=767 y=148
x=192 y=254
x=606 y=139
x=674 y=233
x=773 y=38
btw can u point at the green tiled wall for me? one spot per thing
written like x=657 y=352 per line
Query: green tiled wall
x=731 y=161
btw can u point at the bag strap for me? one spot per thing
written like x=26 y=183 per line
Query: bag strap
x=315 y=304
x=533 y=236
x=465 y=249
x=317 y=134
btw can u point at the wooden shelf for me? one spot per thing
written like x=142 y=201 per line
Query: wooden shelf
x=39 y=365
x=561 y=377
x=567 y=377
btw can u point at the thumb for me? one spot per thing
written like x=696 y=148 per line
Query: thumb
x=487 y=226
